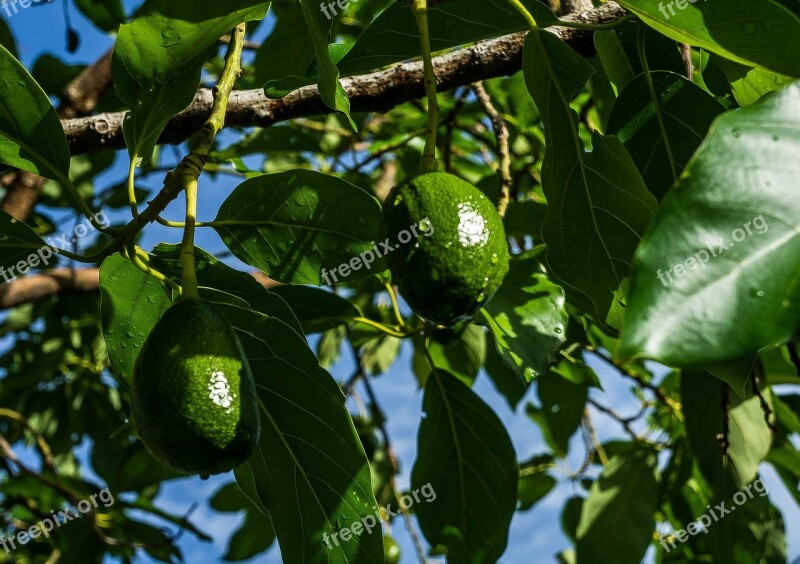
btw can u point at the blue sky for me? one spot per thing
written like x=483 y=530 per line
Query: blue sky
x=536 y=533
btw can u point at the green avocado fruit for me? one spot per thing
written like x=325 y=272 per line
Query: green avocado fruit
x=192 y=393
x=459 y=256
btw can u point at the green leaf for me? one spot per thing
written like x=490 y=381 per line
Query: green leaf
x=159 y=56
x=724 y=241
x=598 y=205
x=561 y=412
x=20 y=249
x=285 y=52
x=31 y=136
x=462 y=357
x=687 y=112
x=749 y=437
x=256 y=533
x=105 y=14
x=762 y=34
x=330 y=88
x=301 y=226
x=131 y=304
x=317 y=310
x=527 y=318
x=304 y=427
x=614 y=58
x=534 y=482
x=618 y=517
x=750 y=84
x=512 y=384
x=7 y=38
x=466 y=456
x=216 y=275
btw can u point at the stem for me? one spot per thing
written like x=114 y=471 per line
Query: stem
x=139 y=258
x=199 y=155
x=428 y=164
x=525 y=13
x=132 y=188
x=395 y=307
x=187 y=248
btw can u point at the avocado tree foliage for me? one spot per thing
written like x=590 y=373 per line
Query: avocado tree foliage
x=643 y=157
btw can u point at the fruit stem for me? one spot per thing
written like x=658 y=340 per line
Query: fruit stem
x=428 y=164
x=192 y=165
x=189 y=283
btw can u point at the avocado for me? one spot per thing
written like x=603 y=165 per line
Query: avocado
x=460 y=256
x=192 y=393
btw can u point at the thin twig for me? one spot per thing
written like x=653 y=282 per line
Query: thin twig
x=502 y=134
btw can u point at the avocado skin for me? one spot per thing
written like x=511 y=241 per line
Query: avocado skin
x=192 y=392
x=447 y=276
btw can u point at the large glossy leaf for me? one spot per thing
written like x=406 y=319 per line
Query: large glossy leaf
x=527 y=318
x=598 y=205
x=300 y=226
x=749 y=437
x=31 y=136
x=618 y=517
x=762 y=33
x=158 y=58
x=466 y=456
x=662 y=146
x=309 y=472
x=715 y=279
x=285 y=52
x=131 y=304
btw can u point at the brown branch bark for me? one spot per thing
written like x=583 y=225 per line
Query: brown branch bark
x=62 y=281
x=377 y=91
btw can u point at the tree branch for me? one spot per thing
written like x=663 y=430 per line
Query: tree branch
x=37 y=287
x=377 y=91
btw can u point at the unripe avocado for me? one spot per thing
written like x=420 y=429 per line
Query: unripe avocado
x=459 y=258
x=192 y=392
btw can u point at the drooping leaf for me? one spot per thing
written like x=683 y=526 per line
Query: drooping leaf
x=298 y=227
x=304 y=426
x=760 y=33
x=661 y=147
x=131 y=304
x=527 y=318
x=330 y=88
x=256 y=533
x=618 y=517
x=466 y=456
x=714 y=280
x=598 y=205
x=561 y=410
x=748 y=436
x=462 y=357
x=158 y=58
x=31 y=136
